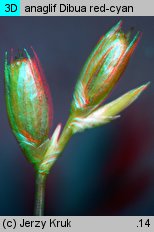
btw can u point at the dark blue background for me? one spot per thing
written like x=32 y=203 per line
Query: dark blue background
x=103 y=171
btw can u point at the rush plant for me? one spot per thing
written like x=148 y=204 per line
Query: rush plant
x=29 y=104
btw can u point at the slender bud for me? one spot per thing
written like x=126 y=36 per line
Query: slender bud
x=108 y=112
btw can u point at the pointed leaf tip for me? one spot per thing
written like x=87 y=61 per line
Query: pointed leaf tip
x=140 y=89
x=134 y=42
x=108 y=112
x=117 y=26
x=56 y=134
x=52 y=152
x=115 y=107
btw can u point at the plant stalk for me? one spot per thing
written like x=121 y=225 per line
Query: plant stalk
x=40 y=183
x=63 y=140
x=65 y=136
x=40 y=178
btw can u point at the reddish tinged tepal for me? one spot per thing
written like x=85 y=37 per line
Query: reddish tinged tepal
x=28 y=104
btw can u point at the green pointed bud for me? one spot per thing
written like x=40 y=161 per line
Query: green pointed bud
x=28 y=104
x=52 y=152
x=113 y=108
x=102 y=70
x=107 y=112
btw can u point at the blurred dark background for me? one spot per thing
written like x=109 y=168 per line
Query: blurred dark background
x=103 y=171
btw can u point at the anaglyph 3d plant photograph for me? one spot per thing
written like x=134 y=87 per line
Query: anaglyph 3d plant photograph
x=69 y=145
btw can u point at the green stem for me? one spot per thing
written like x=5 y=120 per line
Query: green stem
x=65 y=136
x=40 y=182
x=50 y=158
x=40 y=178
x=64 y=139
